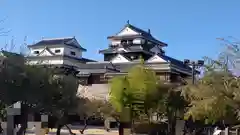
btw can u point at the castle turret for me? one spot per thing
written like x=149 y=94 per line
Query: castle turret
x=57 y=51
x=131 y=43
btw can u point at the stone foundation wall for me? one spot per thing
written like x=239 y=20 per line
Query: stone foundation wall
x=94 y=91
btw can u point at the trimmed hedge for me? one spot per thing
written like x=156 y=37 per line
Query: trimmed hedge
x=151 y=129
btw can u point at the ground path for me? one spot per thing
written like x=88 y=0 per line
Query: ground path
x=91 y=130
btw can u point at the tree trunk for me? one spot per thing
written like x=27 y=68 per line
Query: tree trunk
x=133 y=126
x=1 y=129
x=169 y=116
x=171 y=122
x=185 y=128
x=59 y=127
x=188 y=129
x=174 y=125
x=120 y=129
x=82 y=130
x=149 y=123
x=69 y=129
x=61 y=122
x=119 y=123
x=85 y=126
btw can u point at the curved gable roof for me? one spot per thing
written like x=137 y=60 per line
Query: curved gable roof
x=69 y=41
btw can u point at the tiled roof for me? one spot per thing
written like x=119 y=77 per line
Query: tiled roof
x=133 y=48
x=15 y=57
x=54 y=41
x=10 y=54
x=174 y=61
x=123 y=67
x=12 y=58
x=80 y=59
x=94 y=65
x=88 y=60
x=142 y=34
x=177 y=63
x=138 y=30
x=61 y=56
x=57 y=41
x=92 y=71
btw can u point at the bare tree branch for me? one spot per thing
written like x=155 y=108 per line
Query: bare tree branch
x=3 y=32
x=3 y=20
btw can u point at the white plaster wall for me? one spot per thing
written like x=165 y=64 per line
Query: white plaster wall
x=45 y=61
x=52 y=49
x=127 y=31
x=94 y=91
x=67 y=51
x=155 y=58
x=122 y=49
x=138 y=41
x=52 y=61
x=59 y=48
x=119 y=59
x=135 y=41
x=115 y=42
x=63 y=50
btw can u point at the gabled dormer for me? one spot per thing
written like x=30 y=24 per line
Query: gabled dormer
x=63 y=52
x=128 y=31
x=131 y=34
x=57 y=46
x=120 y=59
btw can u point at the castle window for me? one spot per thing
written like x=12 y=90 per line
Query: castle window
x=149 y=42
x=36 y=52
x=124 y=42
x=57 y=51
x=72 y=53
x=130 y=42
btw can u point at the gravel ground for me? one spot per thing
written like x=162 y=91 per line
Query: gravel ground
x=91 y=130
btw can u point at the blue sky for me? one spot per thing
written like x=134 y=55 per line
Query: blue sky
x=189 y=27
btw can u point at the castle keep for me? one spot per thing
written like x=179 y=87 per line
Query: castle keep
x=126 y=49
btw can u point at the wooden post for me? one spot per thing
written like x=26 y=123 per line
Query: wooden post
x=10 y=125
x=125 y=121
x=237 y=131
x=226 y=132
x=11 y=112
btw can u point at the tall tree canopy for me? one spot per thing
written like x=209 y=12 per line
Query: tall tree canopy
x=142 y=90
x=39 y=89
x=132 y=88
x=216 y=96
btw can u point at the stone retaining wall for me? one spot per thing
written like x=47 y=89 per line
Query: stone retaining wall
x=94 y=91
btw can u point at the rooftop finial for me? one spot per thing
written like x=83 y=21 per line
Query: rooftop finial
x=149 y=31
x=127 y=21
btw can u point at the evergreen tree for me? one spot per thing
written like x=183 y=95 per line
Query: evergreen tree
x=141 y=90
x=39 y=89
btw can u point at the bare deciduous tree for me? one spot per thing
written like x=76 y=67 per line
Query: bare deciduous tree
x=227 y=59
x=3 y=31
